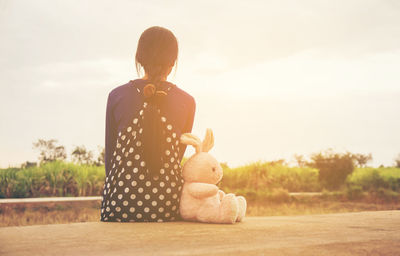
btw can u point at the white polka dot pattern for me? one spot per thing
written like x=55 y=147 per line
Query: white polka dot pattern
x=136 y=195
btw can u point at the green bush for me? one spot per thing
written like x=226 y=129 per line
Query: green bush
x=372 y=179
x=55 y=178
x=267 y=177
x=333 y=168
x=387 y=195
x=256 y=181
x=354 y=192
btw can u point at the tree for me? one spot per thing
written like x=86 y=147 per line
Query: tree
x=333 y=167
x=101 y=157
x=28 y=164
x=397 y=161
x=361 y=160
x=82 y=156
x=49 y=151
x=277 y=162
x=224 y=165
x=301 y=161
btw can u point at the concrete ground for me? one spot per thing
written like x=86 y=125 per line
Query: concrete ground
x=364 y=233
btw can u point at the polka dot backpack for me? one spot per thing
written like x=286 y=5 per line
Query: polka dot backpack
x=139 y=186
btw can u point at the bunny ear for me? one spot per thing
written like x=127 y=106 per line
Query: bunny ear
x=208 y=141
x=190 y=139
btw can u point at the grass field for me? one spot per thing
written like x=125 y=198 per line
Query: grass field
x=254 y=180
x=266 y=187
x=260 y=176
x=52 y=179
x=374 y=178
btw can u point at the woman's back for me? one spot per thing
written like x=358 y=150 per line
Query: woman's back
x=135 y=190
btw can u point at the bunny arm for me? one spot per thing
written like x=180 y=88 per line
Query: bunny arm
x=201 y=190
x=221 y=194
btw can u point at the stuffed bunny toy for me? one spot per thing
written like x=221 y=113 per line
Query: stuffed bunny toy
x=201 y=200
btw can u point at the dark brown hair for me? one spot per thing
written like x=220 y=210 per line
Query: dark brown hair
x=157 y=52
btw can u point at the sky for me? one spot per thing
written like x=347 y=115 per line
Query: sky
x=271 y=78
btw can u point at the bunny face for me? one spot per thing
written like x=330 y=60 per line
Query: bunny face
x=202 y=167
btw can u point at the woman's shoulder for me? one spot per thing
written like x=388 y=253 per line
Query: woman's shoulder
x=184 y=95
x=137 y=85
x=125 y=91
x=121 y=89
